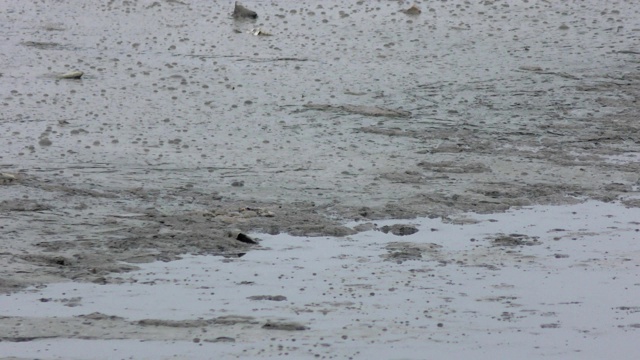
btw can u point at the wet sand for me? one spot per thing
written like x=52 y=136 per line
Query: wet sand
x=186 y=126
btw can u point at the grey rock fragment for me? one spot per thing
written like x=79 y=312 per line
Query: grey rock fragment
x=241 y=12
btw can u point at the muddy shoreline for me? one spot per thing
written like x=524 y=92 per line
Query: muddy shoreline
x=188 y=125
x=86 y=188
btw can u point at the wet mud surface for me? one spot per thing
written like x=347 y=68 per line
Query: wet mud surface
x=566 y=289
x=188 y=128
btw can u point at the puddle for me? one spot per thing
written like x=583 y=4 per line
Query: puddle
x=570 y=294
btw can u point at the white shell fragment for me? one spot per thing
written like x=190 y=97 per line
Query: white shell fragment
x=75 y=74
x=259 y=32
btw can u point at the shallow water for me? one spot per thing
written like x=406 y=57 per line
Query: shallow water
x=568 y=290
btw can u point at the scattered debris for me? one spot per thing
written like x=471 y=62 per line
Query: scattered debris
x=259 y=32
x=252 y=212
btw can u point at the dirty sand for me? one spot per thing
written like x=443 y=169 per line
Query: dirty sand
x=186 y=126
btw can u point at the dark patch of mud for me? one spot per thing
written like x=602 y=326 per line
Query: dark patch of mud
x=268 y=297
x=359 y=109
x=103 y=326
x=284 y=325
x=84 y=234
x=400 y=252
x=399 y=229
x=513 y=240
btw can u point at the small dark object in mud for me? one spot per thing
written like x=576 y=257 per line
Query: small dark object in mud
x=413 y=10
x=550 y=326
x=268 y=297
x=288 y=326
x=221 y=339
x=241 y=12
x=515 y=240
x=399 y=229
x=401 y=256
x=237 y=235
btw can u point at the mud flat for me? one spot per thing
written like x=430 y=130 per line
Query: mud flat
x=557 y=282
x=185 y=127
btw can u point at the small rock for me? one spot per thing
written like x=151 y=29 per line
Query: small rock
x=413 y=10
x=399 y=229
x=237 y=235
x=241 y=12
